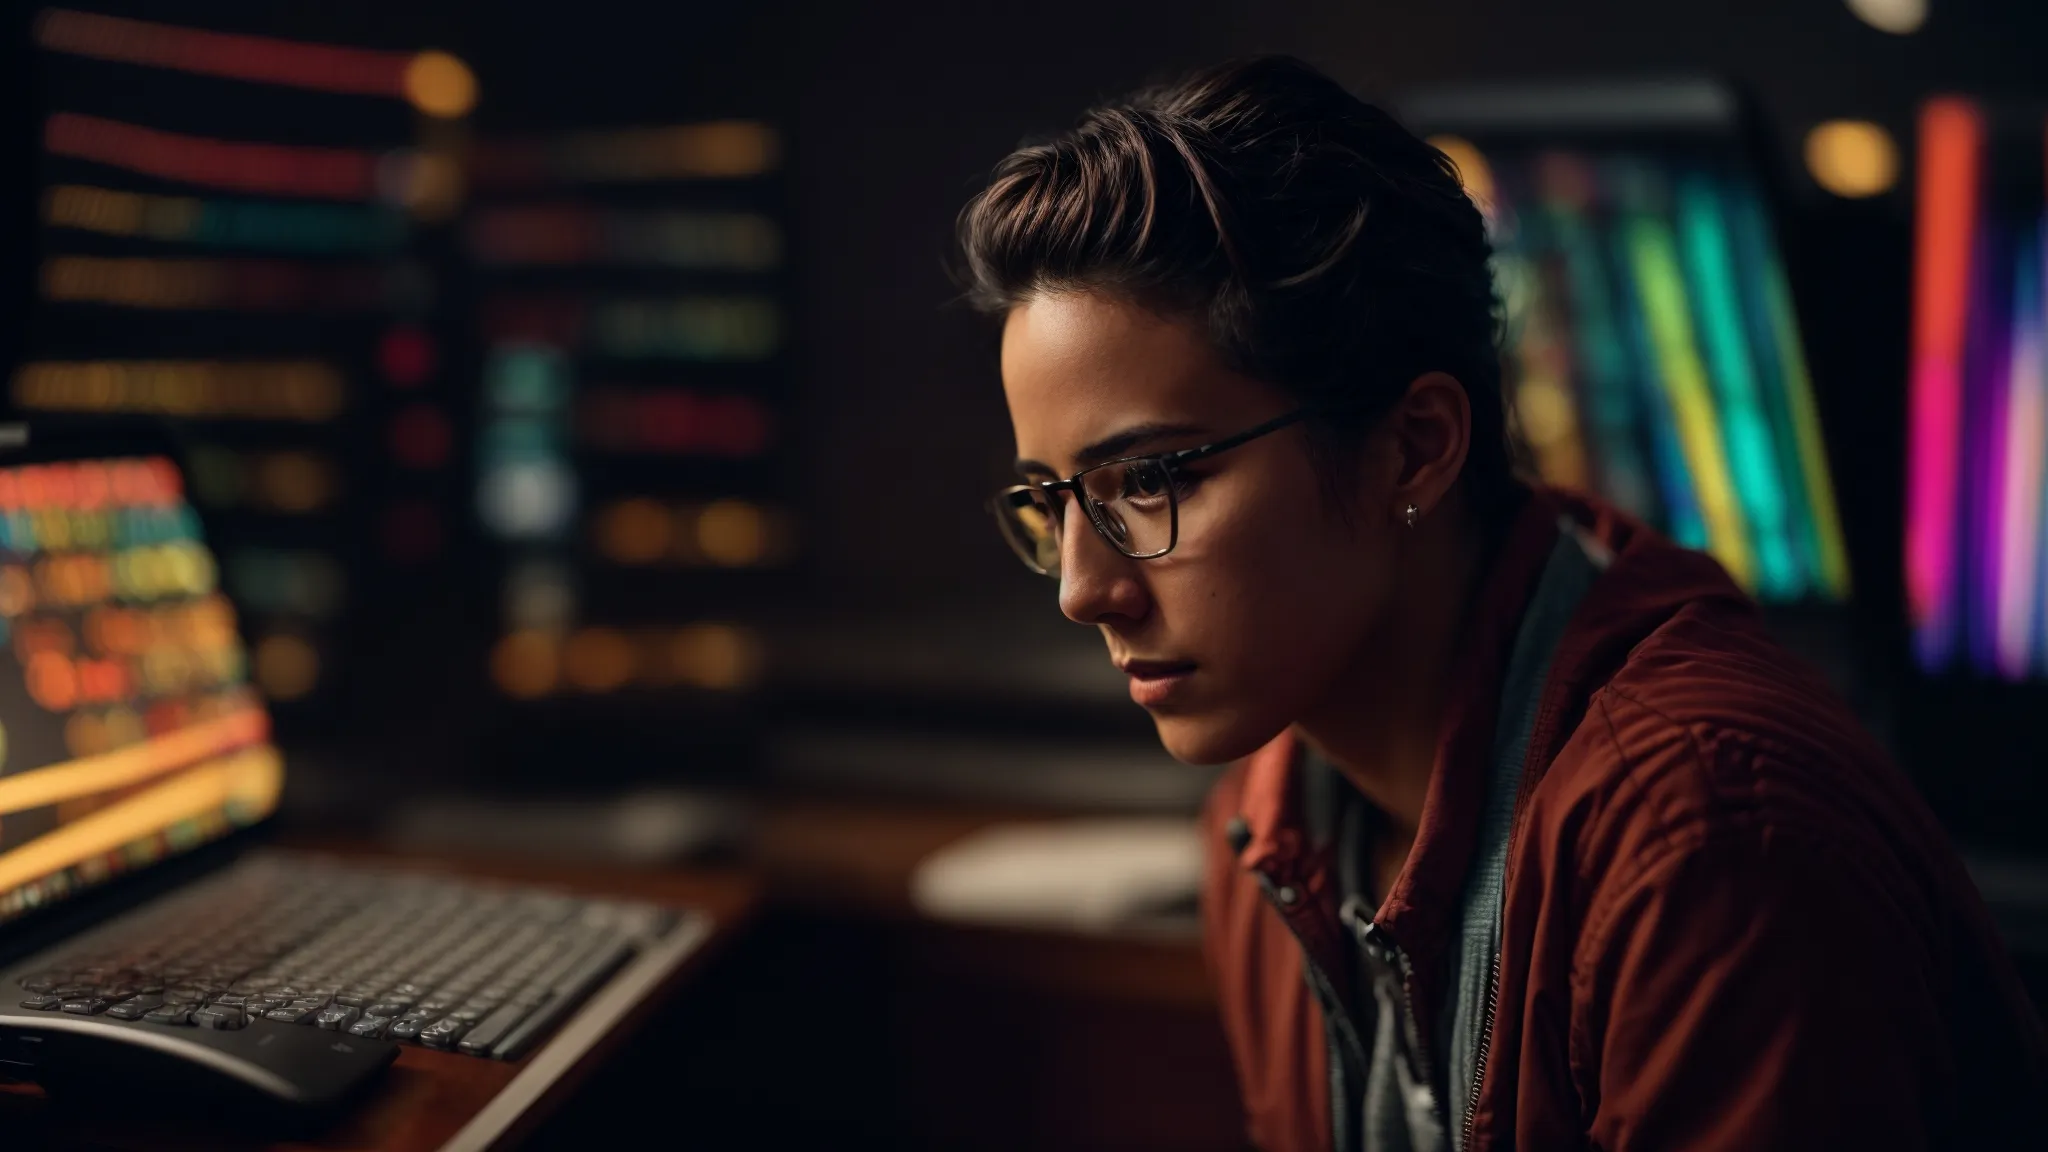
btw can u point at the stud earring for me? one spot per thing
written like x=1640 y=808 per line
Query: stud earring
x=1411 y=515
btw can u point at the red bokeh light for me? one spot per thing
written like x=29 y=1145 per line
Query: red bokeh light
x=406 y=356
x=420 y=437
x=412 y=532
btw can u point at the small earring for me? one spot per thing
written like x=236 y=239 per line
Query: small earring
x=1411 y=515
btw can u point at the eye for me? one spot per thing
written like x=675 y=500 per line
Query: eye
x=1145 y=479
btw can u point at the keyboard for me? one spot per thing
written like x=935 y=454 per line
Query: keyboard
x=461 y=965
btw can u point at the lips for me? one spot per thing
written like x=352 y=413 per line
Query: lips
x=1154 y=683
x=1155 y=669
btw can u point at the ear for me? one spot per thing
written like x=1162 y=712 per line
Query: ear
x=1431 y=427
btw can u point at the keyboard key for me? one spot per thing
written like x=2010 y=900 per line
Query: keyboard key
x=390 y=1008
x=43 y=982
x=221 y=1019
x=408 y=1027
x=43 y=1002
x=443 y=1033
x=136 y=1008
x=337 y=1017
x=370 y=1026
x=293 y=1013
x=493 y=1029
x=87 y=1006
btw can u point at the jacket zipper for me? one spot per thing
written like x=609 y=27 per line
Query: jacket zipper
x=1480 y=1054
x=1485 y=1048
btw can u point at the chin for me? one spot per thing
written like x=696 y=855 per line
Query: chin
x=1212 y=738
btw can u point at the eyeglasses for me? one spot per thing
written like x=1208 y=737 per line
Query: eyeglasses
x=1134 y=503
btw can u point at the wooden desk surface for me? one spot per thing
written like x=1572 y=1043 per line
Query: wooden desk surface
x=428 y=1096
x=847 y=858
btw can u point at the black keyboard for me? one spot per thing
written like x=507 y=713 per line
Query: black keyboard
x=472 y=967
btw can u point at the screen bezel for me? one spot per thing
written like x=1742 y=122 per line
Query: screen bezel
x=54 y=439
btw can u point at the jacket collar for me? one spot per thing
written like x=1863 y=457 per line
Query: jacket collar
x=1648 y=581
x=1422 y=904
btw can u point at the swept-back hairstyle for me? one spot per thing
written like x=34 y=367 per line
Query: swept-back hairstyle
x=1323 y=247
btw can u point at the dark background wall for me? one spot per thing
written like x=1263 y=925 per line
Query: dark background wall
x=894 y=110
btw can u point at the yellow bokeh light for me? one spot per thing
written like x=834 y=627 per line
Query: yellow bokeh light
x=732 y=532
x=1545 y=411
x=295 y=481
x=440 y=85
x=526 y=664
x=634 y=531
x=598 y=659
x=287 y=667
x=433 y=186
x=716 y=656
x=1852 y=158
x=1473 y=169
x=84 y=735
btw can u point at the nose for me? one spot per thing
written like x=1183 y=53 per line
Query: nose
x=1097 y=582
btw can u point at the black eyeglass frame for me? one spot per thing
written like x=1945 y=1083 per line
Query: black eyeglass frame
x=1168 y=462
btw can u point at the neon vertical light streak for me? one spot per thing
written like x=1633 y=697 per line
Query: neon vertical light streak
x=1987 y=370
x=2026 y=439
x=1813 y=452
x=1951 y=153
x=1705 y=243
x=1685 y=382
x=1610 y=399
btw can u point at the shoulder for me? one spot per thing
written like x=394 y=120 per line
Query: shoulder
x=1712 y=731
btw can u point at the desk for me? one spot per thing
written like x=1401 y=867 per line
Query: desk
x=428 y=1096
x=953 y=1036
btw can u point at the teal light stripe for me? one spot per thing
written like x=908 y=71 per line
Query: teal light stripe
x=1752 y=459
x=1775 y=358
x=1611 y=403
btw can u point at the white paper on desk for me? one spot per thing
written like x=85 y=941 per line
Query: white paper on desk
x=1091 y=874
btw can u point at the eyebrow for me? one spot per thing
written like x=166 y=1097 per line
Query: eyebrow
x=1115 y=446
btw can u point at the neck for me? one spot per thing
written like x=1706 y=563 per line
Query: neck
x=1380 y=722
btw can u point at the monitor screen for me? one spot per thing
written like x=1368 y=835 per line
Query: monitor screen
x=1652 y=354
x=128 y=730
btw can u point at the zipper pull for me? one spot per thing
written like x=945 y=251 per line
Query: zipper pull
x=1377 y=944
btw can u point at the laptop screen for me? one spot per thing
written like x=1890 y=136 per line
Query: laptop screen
x=128 y=731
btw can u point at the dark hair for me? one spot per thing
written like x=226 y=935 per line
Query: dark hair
x=1325 y=248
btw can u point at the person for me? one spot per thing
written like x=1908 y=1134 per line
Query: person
x=1533 y=838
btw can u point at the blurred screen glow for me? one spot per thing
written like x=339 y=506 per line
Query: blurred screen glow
x=243 y=284
x=568 y=234
x=281 y=169
x=225 y=223
x=1654 y=356
x=727 y=149
x=304 y=391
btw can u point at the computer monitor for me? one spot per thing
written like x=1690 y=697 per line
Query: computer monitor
x=128 y=729
x=1652 y=353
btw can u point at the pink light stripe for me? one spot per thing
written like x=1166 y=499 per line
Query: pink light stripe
x=1951 y=134
x=2026 y=438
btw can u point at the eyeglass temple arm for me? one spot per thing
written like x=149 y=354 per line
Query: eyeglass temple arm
x=1246 y=436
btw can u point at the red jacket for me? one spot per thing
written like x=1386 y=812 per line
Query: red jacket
x=1728 y=920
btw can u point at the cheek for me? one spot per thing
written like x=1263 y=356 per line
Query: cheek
x=1274 y=604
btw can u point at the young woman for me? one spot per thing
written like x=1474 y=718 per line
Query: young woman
x=1535 y=838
